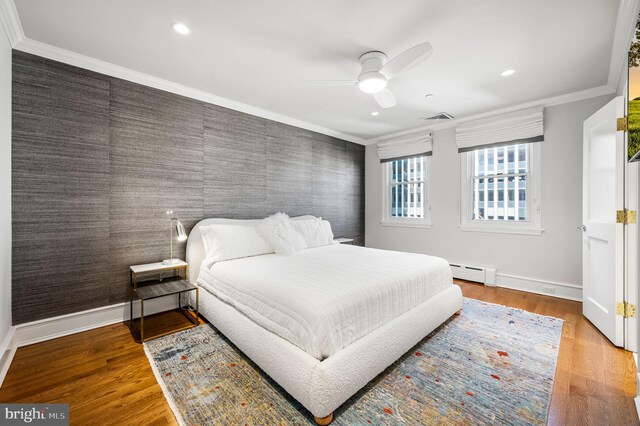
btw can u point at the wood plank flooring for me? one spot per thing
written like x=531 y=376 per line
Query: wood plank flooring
x=595 y=382
x=105 y=377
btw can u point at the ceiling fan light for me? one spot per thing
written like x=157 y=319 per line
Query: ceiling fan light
x=373 y=83
x=181 y=28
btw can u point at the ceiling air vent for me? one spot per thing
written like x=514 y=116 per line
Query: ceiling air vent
x=440 y=116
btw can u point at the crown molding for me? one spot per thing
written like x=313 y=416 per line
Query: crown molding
x=624 y=32
x=11 y=22
x=546 y=102
x=628 y=11
x=68 y=57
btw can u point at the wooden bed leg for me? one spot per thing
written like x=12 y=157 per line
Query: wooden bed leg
x=458 y=312
x=323 y=421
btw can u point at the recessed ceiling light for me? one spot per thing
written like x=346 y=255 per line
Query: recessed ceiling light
x=507 y=73
x=374 y=113
x=180 y=28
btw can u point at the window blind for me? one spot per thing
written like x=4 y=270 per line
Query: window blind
x=403 y=148
x=524 y=126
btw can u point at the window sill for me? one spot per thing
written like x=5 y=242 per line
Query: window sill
x=501 y=229
x=406 y=224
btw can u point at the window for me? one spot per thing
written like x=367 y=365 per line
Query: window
x=405 y=198
x=500 y=189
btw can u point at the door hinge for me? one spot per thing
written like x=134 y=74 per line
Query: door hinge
x=626 y=216
x=622 y=124
x=627 y=310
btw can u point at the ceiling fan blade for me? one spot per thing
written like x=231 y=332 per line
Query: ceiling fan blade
x=407 y=59
x=385 y=99
x=331 y=82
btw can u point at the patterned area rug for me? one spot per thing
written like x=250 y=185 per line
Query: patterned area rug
x=490 y=365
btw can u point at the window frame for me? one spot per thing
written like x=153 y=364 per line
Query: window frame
x=406 y=222
x=532 y=226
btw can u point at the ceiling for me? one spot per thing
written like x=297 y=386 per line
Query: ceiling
x=259 y=53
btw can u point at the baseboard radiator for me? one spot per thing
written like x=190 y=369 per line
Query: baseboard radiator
x=478 y=274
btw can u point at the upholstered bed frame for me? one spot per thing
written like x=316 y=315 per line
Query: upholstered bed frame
x=320 y=386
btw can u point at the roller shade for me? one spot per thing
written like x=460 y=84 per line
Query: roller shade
x=522 y=126
x=399 y=149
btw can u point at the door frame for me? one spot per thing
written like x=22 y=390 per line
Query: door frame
x=602 y=117
x=631 y=264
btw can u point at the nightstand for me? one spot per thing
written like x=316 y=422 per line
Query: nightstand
x=147 y=289
x=344 y=240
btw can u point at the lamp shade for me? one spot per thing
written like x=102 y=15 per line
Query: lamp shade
x=182 y=234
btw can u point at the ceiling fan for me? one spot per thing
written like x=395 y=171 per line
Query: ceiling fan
x=377 y=71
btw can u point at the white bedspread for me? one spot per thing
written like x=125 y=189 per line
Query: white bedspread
x=325 y=298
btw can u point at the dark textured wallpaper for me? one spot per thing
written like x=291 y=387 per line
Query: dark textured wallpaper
x=97 y=161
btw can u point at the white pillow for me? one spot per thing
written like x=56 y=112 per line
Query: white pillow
x=316 y=232
x=305 y=217
x=327 y=232
x=278 y=231
x=226 y=242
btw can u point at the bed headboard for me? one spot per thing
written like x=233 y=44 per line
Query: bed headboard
x=195 y=245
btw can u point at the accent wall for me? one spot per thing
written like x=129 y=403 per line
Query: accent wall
x=97 y=161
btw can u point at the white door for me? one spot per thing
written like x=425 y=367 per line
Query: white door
x=602 y=237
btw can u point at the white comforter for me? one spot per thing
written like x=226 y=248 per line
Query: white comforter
x=325 y=298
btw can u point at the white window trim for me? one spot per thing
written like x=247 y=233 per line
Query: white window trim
x=533 y=226
x=405 y=222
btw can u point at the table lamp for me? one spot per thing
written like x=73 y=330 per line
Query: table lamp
x=182 y=236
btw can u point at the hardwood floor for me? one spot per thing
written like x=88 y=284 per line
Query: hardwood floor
x=105 y=376
x=595 y=382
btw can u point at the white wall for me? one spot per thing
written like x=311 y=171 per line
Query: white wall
x=552 y=259
x=5 y=186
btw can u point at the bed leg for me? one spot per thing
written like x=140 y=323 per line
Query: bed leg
x=458 y=312
x=323 y=421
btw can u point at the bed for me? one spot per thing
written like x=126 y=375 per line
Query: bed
x=323 y=322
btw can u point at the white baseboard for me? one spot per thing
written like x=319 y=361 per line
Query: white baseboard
x=7 y=351
x=547 y=288
x=64 y=325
